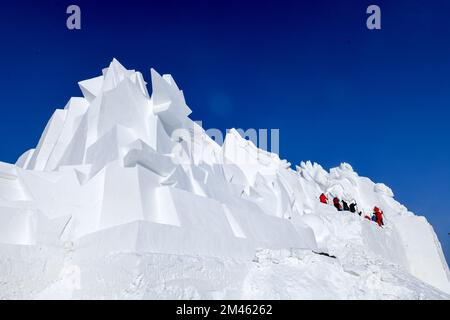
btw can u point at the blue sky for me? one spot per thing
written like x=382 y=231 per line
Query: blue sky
x=337 y=91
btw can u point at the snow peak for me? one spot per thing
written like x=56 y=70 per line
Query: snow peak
x=186 y=310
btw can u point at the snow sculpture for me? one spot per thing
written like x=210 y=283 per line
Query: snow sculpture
x=120 y=171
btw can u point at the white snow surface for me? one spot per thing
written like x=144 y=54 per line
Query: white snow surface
x=126 y=197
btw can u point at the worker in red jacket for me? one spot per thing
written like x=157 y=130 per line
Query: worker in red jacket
x=323 y=198
x=379 y=216
x=337 y=203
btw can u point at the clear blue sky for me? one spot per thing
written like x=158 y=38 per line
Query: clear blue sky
x=337 y=91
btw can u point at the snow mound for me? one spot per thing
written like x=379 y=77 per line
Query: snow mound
x=126 y=197
x=383 y=189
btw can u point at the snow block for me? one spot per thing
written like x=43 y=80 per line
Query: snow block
x=17 y=226
x=48 y=140
x=168 y=102
x=423 y=251
x=91 y=88
x=11 y=187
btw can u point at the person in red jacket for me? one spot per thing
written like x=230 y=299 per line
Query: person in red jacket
x=337 y=203
x=323 y=198
x=379 y=216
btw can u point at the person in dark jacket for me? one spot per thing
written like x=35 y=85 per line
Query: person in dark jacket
x=345 y=206
x=353 y=207
x=337 y=203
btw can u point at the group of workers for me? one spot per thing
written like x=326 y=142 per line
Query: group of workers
x=377 y=215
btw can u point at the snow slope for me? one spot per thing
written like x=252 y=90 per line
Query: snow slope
x=126 y=197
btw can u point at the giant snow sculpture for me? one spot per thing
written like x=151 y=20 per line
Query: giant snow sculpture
x=122 y=172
